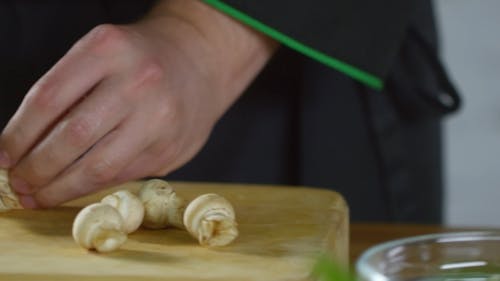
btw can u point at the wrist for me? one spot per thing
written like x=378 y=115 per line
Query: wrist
x=223 y=51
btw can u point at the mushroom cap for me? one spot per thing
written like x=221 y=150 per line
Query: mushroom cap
x=8 y=199
x=99 y=226
x=129 y=206
x=211 y=219
x=162 y=206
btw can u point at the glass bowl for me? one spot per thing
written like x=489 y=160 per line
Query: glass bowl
x=470 y=256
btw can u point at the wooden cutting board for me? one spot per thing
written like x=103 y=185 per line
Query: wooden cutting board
x=282 y=232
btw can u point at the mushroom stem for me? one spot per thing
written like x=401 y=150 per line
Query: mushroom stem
x=99 y=227
x=8 y=199
x=210 y=218
x=162 y=206
x=130 y=208
x=107 y=240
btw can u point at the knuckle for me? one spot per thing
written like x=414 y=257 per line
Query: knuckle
x=148 y=74
x=79 y=132
x=15 y=135
x=41 y=96
x=31 y=173
x=105 y=38
x=102 y=172
x=13 y=142
x=53 y=155
x=171 y=111
x=150 y=70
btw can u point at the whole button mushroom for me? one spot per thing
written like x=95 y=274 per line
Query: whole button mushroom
x=162 y=206
x=129 y=206
x=210 y=218
x=99 y=227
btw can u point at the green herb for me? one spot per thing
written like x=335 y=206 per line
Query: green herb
x=327 y=270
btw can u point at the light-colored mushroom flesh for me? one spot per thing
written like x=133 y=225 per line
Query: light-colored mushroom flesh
x=8 y=199
x=162 y=206
x=129 y=206
x=210 y=218
x=99 y=227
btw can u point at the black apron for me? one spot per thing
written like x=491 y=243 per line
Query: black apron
x=299 y=123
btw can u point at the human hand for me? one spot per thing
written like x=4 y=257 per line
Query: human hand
x=128 y=102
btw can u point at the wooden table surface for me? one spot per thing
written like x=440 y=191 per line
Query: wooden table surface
x=365 y=235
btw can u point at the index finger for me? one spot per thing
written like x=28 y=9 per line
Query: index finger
x=51 y=96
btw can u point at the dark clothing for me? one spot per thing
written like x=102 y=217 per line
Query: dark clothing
x=299 y=123
x=360 y=34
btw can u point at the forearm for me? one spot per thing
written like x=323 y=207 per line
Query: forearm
x=227 y=52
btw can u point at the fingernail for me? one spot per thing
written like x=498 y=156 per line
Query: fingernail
x=4 y=160
x=20 y=186
x=28 y=202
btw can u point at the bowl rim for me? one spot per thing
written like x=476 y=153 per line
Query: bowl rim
x=363 y=269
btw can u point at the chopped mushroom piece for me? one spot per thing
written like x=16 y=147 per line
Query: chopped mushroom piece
x=8 y=199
